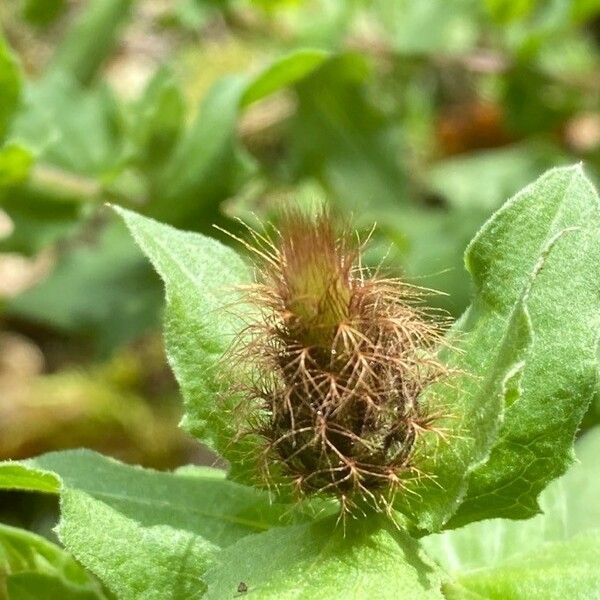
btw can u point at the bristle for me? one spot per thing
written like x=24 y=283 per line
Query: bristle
x=338 y=363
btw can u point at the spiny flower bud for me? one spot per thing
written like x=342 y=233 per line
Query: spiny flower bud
x=338 y=360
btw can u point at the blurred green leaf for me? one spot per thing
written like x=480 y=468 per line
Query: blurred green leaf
x=504 y=171
x=70 y=127
x=554 y=572
x=15 y=163
x=429 y=27
x=43 y=12
x=89 y=42
x=158 y=120
x=208 y=164
x=285 y=72
x=32 y=567
x=358 y=149
x=78 y=150
x=205 y=163
x=39 y=220
x=10 y=84
x=102 y=290
x=505 y=11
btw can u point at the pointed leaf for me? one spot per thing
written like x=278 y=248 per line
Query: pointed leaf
x=535 y=311
x=560 y=375
x=200 y=276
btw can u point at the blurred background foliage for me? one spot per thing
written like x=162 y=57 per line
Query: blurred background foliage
x=420 y=115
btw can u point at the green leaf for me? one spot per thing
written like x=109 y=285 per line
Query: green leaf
x=102 y=290
x=506 y=11
x=157 y=121
x=208 y=163
x=221 y=512
x=70 y=127
x=32 y=567
x=142 y=531
x=581 y=486
x=505 y=171
x=434 y=241
x=10 y=84
x=557 y=571
x=14 y=477
x=43 y=12
x=533 y=266
x=205 y=163
x=201 y=321
x=38 y=218
x=358 y=149
x=318 y=560
x=552 y=224
x=430 y=27
x=90 y=41
x=285 y=72
x=569 y=506
x=15 y=164
x=133 y=561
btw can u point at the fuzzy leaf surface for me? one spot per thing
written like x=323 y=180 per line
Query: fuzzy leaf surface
x=534 y=265
x=569 y=507
x=317 y=561
x=140 y=530
x=200 y=276
x=560 y=374
x=134 y=561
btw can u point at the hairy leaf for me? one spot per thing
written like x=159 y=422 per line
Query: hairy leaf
x=140 y=530
x=317 y=560
x=533 y=266
x=560 y=376
x=201 y=320
x=569 y=507
x=133 y=560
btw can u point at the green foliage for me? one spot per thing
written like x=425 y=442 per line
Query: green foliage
x=90 y=41
x=201 y=320
x=30 y=567
x=142 y=531
x=559 y=570
x=10 y=83
x=195 y=532
x=309 y=561
x=420 y=116
x=557 y=246
x=104 y=281
x=533 y=265
x=547 y=556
